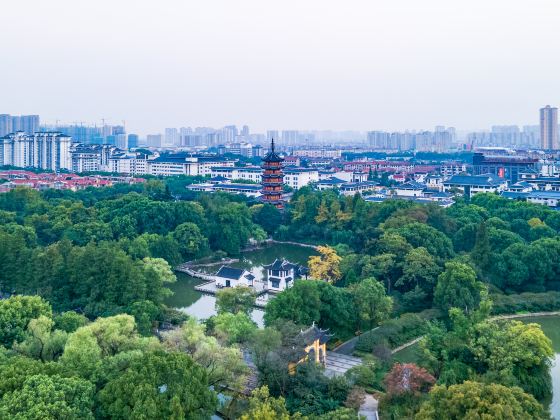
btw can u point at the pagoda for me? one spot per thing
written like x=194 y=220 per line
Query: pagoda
x=272 y=178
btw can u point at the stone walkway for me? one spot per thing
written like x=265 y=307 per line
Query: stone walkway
x=338 y=364
x=369 y=408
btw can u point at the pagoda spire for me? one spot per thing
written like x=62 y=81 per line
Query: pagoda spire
x=272 y=178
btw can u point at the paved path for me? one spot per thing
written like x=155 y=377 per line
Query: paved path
x=369 y=408
x=348 y=346
x=338 y=364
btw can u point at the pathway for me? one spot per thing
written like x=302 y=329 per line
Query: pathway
x=348 y=346
x=369 y=408
x=338 y=364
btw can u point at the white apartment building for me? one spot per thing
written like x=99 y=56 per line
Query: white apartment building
x=293 y=177
x=44 y=150
x=319 y=153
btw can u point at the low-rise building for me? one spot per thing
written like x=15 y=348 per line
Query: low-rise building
x=233 y=277
x=469 y=185
x=281 y=274
x=293 y=177
x=410 y=189
x=250 y=190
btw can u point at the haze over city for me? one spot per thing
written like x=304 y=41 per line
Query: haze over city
x=360 y=65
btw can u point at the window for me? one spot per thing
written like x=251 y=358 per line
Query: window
x=275 y=283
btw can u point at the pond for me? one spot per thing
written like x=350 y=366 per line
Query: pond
x=195 y=303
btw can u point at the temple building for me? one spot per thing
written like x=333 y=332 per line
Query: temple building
x=282 y=273
x=312 y=345
x=272 y=179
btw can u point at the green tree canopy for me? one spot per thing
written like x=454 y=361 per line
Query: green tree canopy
x=49 y=397
x=457 y=287
x=159 y=385
x=479 y=401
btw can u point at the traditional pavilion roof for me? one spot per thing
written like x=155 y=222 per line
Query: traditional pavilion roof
x=308 y=336
x=272 y=156
x=281 y=265
x=285 y=265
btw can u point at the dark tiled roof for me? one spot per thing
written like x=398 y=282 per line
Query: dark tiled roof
x=486 y=180
x=272 y=156
x=410 y=186
x=308 y=336
x=332 y=181
x=281 y=265
x=514 y=195
x=229 y=272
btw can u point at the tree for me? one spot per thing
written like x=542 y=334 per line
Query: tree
x=325 y=266
x=49 y=397
x=408 y=378
x=512 y=352
x=42 y=342
x=457 y=287
x=264 y=407
x=234 y=328
x=356 y=398
x=235 y=300
x=267 y=216
x=145 y=314
x=371 y=303
x=69 y=321
x=419 y=270
x=16 y=313
x=480 y=401
x=191 y=240
x=224 y=365
x=154 y=386
x=482 y=252
x=309 y=301
x=88 y=346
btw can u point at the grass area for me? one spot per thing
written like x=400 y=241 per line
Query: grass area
x=408 y=355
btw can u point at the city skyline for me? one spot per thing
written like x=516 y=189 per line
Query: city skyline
x=317 y=65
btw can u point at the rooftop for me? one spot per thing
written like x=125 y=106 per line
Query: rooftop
x=230 y=272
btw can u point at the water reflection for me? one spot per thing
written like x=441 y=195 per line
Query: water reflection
x=195 y=303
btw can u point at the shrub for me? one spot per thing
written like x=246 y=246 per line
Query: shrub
x=396 y=332
x=530 y=302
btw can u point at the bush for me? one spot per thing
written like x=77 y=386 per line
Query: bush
x=530 y=302
x=396 y=332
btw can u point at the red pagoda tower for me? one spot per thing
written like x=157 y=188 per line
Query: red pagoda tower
x=272 y=179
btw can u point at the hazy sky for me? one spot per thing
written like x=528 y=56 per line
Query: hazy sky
x=292 y=64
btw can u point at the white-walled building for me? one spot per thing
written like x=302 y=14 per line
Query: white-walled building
x=293 y=177
x=473 y=184
x=233 y=277
x=42 y=150
x=410 y=189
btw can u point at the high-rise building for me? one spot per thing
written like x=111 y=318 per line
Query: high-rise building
x=13 y=123
x=29 y=123
x=172 y=137
x=549 y=128
x=153 y=140
x=39 y=150
x=290 y=137
x=229 y=132
x=272 y=134
x=245 y=131
x=5 y=124
x=132 y=140
x=121 y=141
